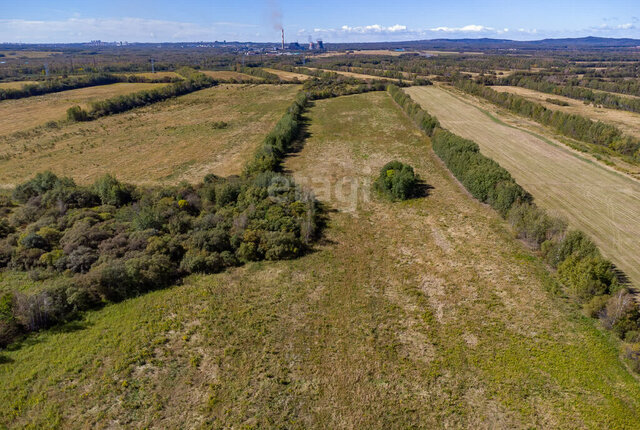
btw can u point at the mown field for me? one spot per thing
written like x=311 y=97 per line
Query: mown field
x=26 y=113
x=628 y=122
x=603 y=203
x=287 y=76
x=165 y=142
x=229 y=74
x=354 y=75
x=15 y=84
x=422 y=314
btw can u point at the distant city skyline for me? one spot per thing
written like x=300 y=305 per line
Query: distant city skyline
x=66 y=21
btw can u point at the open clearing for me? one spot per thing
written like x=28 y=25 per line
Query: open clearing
x=229 y=74
x=164 y=142
x=15 y=84
x=593 y=198
x=287 y=76
x=23 y=114
x=628 y=122
x=156 y=75
x=421 y=314
x=355 y=75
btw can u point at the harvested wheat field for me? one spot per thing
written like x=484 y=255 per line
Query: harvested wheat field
x=603 y=203
x=168 y=142
x=420 y=314
x=26 y=113
x=628 y=122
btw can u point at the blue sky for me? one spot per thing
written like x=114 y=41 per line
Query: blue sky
x=331 y=20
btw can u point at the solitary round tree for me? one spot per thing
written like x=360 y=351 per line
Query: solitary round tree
x=397 y=181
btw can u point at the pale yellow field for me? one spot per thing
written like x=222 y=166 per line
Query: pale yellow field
x=165 y=142
x=354 y=75
x=156 y=75
x=603 y=203
x=628 y=122
x=26 y=113
x=287 y=76
x=15 y=84
x=228 y=74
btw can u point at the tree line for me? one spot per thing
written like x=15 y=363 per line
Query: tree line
x=98 y=244
x=72 y=83
x=538 y=83
x=570 y=125
x=126 y=102
x=584 y=274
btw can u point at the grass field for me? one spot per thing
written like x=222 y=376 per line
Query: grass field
x=228 y=74
x=15 y=84
x=26 y=113
x=603 y=203
x=165 y=142
x=354 y=75
x=422 y=314
x=628 y=122
x=156 y=75
x=287 y=76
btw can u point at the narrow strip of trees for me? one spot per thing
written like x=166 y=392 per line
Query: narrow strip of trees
x=127 y=102
x=570 y=125
x=585 y=275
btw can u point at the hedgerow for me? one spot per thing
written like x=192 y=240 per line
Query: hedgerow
x=195 y=82
x=587 y=277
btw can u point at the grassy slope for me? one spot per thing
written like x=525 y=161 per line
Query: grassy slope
x=22 y=114
x=628 y=122
x=424 y=313
x=603 y=203
x=164 y=142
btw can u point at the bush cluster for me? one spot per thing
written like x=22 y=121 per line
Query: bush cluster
x=396 y=181
x=426 y=122
x=110 y=240
x=571 y=125
x=338 y=85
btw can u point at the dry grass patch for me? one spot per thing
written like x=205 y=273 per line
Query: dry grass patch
x=593 y=198
x=16 y=84
x=165 y=142
x=287 y=76
x=23 y=114
x=386 y=325
x=229 y=74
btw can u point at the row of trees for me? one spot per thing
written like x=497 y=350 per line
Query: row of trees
x=109 y=241
x=571 y=125
x=72 y=83
x=586 y=276
x=423 y=120
x=605 y=99
x=127 y=102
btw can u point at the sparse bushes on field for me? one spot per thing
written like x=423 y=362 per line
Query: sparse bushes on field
x=396 y=181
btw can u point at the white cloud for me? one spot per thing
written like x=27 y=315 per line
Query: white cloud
x=110 y=29
x=367 y=29
x=472 y=28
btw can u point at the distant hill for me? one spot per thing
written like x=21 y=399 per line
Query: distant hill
x=491 y=44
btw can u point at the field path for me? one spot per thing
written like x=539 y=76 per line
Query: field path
x=593 y=198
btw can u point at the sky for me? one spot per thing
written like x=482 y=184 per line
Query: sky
x=65 y=21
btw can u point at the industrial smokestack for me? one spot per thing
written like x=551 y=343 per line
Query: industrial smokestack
x=282 y=38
